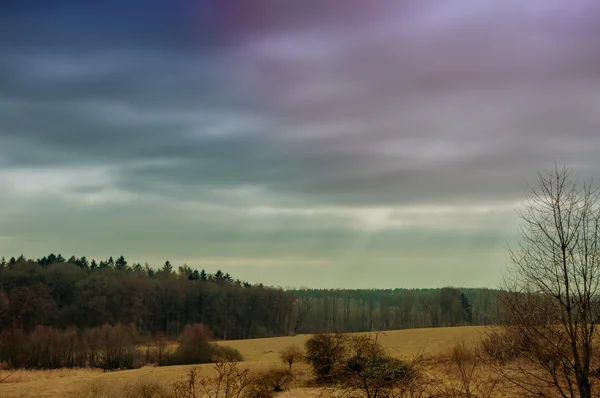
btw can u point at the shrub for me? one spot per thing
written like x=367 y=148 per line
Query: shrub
x=230 y=382
x=226 y=353
x=290 y=355
x=117 y=347
x=326 y=353
x=466 y=376
x=370 y=370
x=266 y=384
x=506 y=344
x=196 y=347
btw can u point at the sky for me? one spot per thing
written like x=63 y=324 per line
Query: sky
x=354 y=143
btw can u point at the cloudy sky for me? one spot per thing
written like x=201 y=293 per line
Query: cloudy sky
x=353 y=143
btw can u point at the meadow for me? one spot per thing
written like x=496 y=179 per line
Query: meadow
x=259 y=354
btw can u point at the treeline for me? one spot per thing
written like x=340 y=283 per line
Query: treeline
x=83 y=294
x=76 y=293
x=389 y=309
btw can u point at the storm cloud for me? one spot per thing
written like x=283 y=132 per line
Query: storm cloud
x=342 y=143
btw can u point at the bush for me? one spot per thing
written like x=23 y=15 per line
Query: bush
x=466 y=374
x=506 y=344
x=117 y=347
x=230 y=382
x=226 y=353
x=196 y=347
x=326 y=353
x=370 y=370
x=290 y=355
x=266 y=384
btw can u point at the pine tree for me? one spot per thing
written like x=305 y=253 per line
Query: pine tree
x=137 y=267
x=194 y=276
x=168 y=268
x=203 y=276
x=51 y=259
x=121 y=263
x=83 y=262
x=467 y=310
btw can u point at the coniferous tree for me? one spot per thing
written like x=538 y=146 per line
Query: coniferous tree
x=51 y=259
x=121 y=263
x=467 y=309
x=168 y=268
x=83 y=263
x=137 y=267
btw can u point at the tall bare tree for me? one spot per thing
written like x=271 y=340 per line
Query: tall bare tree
x=551 y=291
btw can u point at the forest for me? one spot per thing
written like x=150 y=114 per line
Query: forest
x=81 y=293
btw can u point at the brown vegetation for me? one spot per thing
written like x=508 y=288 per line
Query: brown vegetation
x=291 y=355
x=107 y=347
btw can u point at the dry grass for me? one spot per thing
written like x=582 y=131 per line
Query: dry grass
x=259 y=354
x=10 y=376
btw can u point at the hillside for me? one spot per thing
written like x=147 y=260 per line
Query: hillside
x=259 y=354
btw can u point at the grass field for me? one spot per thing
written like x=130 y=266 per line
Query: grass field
x=258 y=353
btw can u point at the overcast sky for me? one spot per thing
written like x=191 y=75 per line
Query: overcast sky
x=353 y=143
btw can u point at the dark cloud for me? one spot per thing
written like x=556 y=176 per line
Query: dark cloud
x=294 y=107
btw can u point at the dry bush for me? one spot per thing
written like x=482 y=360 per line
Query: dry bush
x=466 y=375
x=505 y=344
x=227 y=353
x=326 y=353
x=371 y=372
x=291 y=355
x=117 y=347
x=267 y=383
x=229 y=382
x=158 y=352
x=196 y=346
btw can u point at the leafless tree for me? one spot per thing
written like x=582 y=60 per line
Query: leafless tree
x=551 y=291
x=291 y=355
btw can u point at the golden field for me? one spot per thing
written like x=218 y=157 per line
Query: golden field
x=259 y=354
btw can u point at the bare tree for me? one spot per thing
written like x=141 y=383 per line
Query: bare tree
x=291 y=355
x=551 y=293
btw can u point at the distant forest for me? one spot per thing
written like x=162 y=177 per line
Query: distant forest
x=62 y=293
